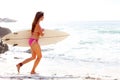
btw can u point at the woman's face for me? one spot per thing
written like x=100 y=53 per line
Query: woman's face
x=41 y=19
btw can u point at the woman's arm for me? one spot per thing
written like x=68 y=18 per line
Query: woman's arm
x=41 y=31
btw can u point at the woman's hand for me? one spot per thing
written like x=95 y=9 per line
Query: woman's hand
x=42 y=32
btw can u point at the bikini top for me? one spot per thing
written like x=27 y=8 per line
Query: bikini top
x=37 y=31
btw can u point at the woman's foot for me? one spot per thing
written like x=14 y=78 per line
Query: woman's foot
x=33 y=72
x=18 y=67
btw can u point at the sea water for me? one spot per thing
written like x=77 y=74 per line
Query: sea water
x=91 y=44
x=94 y=42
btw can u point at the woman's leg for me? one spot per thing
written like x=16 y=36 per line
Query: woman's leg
x=36 y=48
x=27 y=60
x=31 y=58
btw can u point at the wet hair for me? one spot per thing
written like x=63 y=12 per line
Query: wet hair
x=36 y=19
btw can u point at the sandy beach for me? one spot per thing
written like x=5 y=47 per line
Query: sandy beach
x=52 y=69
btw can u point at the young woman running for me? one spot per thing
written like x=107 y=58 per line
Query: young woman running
x=36 y=32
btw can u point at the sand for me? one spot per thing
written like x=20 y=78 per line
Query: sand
x=51 y=70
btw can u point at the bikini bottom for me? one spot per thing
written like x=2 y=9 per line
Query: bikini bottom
x=31 y=40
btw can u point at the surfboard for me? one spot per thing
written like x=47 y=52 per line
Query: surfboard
x=21 y=38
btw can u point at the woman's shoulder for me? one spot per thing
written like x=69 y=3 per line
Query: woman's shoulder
x=36 y=28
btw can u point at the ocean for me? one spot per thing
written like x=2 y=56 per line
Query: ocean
x=92 y=48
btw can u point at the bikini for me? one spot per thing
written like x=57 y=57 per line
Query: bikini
x=31 y=40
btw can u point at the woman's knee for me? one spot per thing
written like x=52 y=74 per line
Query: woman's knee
x=33 y=57
x=39 y=57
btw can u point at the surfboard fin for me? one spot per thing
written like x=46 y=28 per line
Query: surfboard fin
x=15 y=44
x=15 y=33
x=7 y=39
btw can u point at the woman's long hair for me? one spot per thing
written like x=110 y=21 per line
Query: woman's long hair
x=36 y=19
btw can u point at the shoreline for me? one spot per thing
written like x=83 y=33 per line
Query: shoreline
x=50 y=70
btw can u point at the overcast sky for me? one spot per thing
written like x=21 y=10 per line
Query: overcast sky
x=57 y=10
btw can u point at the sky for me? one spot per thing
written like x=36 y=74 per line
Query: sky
x=61 y=10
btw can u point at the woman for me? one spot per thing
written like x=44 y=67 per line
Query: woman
x=36 y=32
